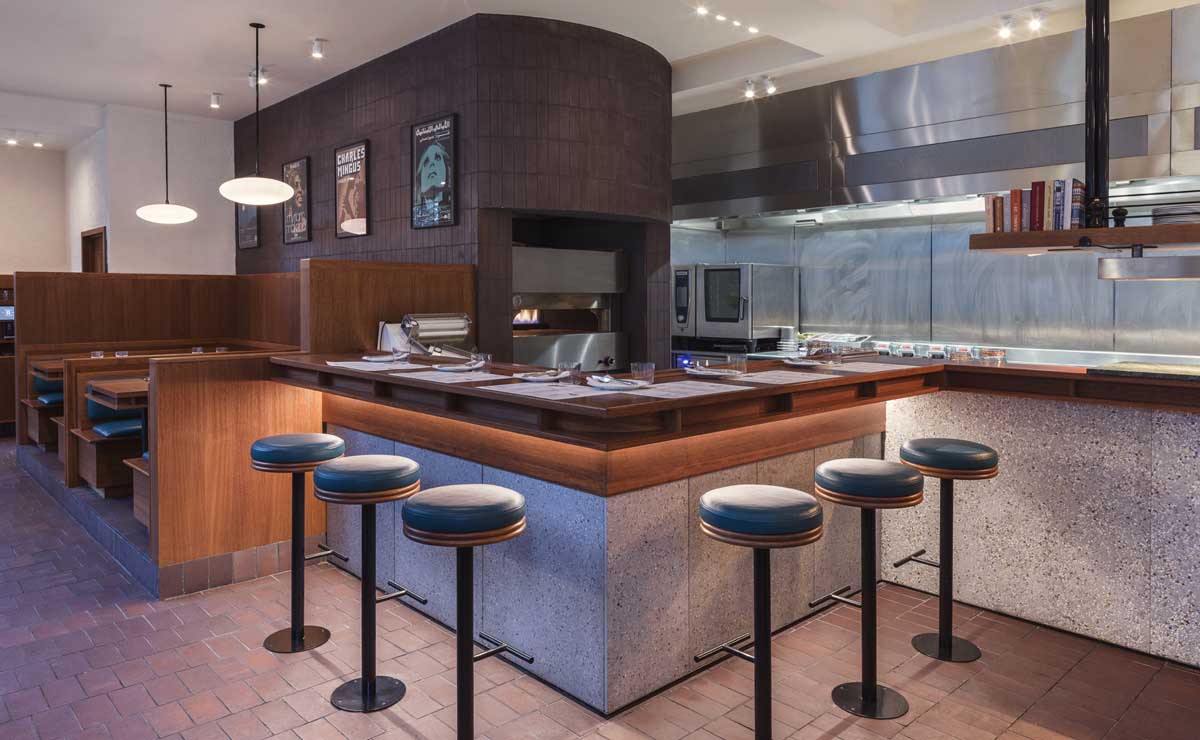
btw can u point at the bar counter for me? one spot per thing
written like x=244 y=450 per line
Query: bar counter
x=613 y=588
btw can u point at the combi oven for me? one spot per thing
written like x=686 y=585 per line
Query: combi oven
x=735 y=301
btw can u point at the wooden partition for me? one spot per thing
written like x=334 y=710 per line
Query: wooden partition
x=77 y=373
x=342 y=302
x=72 y=314
x=205 y=411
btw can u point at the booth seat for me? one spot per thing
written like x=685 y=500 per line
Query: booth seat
x=105 y=447
x=46 y=404
x=139 y=467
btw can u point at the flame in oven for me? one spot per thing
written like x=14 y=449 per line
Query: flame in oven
x=526 y=316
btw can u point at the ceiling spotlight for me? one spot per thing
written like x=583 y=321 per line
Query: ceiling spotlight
x=318 y=49
x=261 y=76
x=38 y=145
x=1005 y=31
x=11 y=141
x=701 y=10
x=214 y=101
x=770 y=86
x=738 y=24
x=748 y=93
x=720 y=17
x=1035 y=21
x=753 y=29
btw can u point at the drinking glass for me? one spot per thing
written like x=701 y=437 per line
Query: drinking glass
x=642 y=371
x=197 y=350
x=121 y=353
x=222 y=349
x=97 y=354
x=960 y=354
x=992 y=356
x=573 y=370
x=486 y=359
x=738 y=363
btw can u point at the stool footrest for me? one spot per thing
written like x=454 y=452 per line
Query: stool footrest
x=916 y=558
x=730 y=647
x=326 y=551
x=500 y=647
x=399 y=593
x=835 y=596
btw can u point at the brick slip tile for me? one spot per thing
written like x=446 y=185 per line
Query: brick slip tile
x=200 y=678
x=319 y=730
x=244 y=726
x=269 y=686
x=97 y=710
x=132 y=700
x=356 y=726
x=25 y=702
x=166 y=689
x=62 y=691
x=278 y=716
x=99 y=681
x=210 y=731
x=238 y=696
x=168 y=719
x=203 y=708
x=56 y=723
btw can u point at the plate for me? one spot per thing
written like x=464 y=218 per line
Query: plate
x=385 y=358
x=461 y=367
x=713 y=372
x=802 y=363
x=542 y=377
x=622 y=385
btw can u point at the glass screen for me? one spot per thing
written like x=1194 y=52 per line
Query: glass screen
x=723 y=295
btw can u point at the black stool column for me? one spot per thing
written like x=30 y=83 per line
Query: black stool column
x=371 y=692
x=299 y=637
x=464 y=624
x=762 y=644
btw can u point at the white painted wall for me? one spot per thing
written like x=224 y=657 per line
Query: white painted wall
x=201 y=159
x=32 y=210
x=87 y=192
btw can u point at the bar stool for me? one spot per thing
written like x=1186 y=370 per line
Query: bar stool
x=948 y=460
x=465 y=517
x=868 y=485
x=764 y=518
x=297 y=454
x=368 y=480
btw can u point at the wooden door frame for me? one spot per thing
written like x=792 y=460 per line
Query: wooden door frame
x=84 y=237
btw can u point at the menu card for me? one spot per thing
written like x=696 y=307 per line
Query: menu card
x=868 y=367
x=377 y=367
x=439 y=376
x=550 y=391
x=685 y=389
x=783 y=377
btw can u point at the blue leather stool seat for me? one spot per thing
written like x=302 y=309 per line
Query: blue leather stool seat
x=146 y=455
x=50 y=399
x=934 y=455
x=296 y=449
x=761 y=511
x=119 y=428
x=47 y=386
x=367 y=479
x=463 y=510
x=875 y=484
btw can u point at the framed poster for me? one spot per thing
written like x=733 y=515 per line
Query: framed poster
x=296 y=213
x=433 y=184
x=350 y=163
x=246 y=220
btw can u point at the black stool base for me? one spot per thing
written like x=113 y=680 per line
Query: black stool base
x=961 y=651
x=349 y=696
x=282 y=642
x=888 y=704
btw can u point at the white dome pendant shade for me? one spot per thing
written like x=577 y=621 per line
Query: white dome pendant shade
x=256 y=190
x=166 y=212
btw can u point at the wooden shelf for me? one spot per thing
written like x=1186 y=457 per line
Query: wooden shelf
x=1165 y=237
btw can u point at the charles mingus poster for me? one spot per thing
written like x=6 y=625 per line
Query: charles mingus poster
x=433 y=184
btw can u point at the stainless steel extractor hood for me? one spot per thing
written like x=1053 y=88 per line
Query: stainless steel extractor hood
x=1186 y=267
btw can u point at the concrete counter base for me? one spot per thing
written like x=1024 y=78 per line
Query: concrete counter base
x=612 y=596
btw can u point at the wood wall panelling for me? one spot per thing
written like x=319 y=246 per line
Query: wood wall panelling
x=205 y=499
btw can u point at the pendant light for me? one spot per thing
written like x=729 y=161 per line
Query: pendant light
x=166 y=212
x=256 y=190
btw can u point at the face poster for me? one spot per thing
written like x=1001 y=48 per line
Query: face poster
x=433 y=192
x=295 y=209
x=247 y=226
x=351 y=168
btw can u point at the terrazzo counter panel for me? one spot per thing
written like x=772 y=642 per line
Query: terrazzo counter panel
x=1093 y=524
x=612 y=595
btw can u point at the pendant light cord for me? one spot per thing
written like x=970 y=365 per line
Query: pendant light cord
x=166 y=150
x=257 y=70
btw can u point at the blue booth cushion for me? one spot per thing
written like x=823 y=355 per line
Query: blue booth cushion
x=47 y=386
x=367 y=474
x=119 y=428
x=50 y=399
x=866 y=478
x=283 y=449
x=949 y=454
x=760 y=510
x=464 y=509
x=146 y=455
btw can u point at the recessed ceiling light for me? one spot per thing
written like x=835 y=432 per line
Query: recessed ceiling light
x=214 y=101
x=701 y=10
x=752 y=29
x=38 y=144
x=738 y=24
x=720 y=17
x=748 y=93
x=770 y=87
x=11 y=141
x=1035 y=21
x=318 y=49
x=1005 y=31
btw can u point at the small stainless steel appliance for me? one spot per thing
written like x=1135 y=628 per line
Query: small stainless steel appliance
x=683 y=282
x=562 y=303
x=745 y=301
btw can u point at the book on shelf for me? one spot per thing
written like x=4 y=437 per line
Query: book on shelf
x=1060 y=189
x=1048 y=205
x=1025 y=210
x=1078 y=195
x=1014 y=209
x=1037 y=206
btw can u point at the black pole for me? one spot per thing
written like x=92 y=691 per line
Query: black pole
x=465 y=625
x=166 y=149
x=1096 y=73
x=762 y=644
x=870 y=679
x=297 y=561
x=257 y=67
x=368 y=604
x=946 y=573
